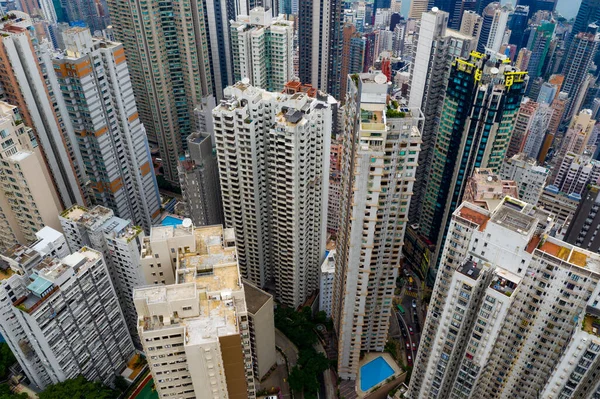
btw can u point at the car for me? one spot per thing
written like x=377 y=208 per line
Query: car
x=414 y=346
x=410 y=287
x=406 y=273
x=403 y=332
x=407 y=346
x=414 y=303
x=410 y=330
x=409 y=360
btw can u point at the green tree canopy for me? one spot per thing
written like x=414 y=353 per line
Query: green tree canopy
x=78 y=388
x=7 y=359
x=6 y=393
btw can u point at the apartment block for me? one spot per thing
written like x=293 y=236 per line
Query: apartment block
x=381 y=143
x=28 y=82
x=95 y=82
x=575 y=172
x=196 y=332
x=261 y=48
x=493 y=26
x=435 y=50
x=578 y=134
x=487 y=190
x=119 y=241
x=469 y=135
x=530 y=129
x=326 y=283
x=29 y=200
x=583 y=228
x=489 y=305
x=199 y=181
x=273 y=156
x=262 y=329
x=560 y=204
x=530 y=178
x=581 y=54
x=61 y=317
x=514 y=311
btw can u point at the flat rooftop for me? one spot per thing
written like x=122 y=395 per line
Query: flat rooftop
x=568 y=253
x=255 y=298
x=469 y=269
x=514 y=220
x=478 y=216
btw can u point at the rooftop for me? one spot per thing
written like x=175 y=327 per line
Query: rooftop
x=505 y=282
x=255 y=297
x=473 y=214
x=213 y=265
x=513 y=219
x=469 y=269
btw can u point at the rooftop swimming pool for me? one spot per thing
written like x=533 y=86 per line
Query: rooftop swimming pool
x=374 y=372
x=171 y=221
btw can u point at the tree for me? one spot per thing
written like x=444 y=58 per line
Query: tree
x=121 y=384
x=6 y=393
x=7 y=359
x=78 y=388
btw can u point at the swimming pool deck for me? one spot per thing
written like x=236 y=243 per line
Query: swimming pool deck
x=369 y=357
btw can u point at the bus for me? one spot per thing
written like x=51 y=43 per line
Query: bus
x=400 y=309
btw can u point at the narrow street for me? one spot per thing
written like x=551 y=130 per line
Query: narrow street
x=410 y=322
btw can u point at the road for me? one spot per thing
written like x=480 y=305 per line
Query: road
x=291 y=352
x=414 y=316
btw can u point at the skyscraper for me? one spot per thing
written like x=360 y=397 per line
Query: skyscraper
x=517 y=24
x=470 y=135
x=353 y=56
x=381 y=145
x=583 y=229
x=495 y=19
x=61 y=317
x=320 y=44
x=454 y=10
x=580 y=57
x=199 y=179
x=168 y=58
x=273 y=156
x=27 y=81
x=94 y=79
x=28 y=200
x=262 y=49
x=471 y=24
x=511 y=312
x=436 y=48
x=539 y=44
x=417 y=8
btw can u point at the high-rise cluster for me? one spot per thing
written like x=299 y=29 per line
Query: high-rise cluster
x=273 y=155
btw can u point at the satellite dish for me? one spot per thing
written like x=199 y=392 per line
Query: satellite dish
x=435 y=9
x=187 y=222
x=380 y=78
x=494 y=71
x=246 y=81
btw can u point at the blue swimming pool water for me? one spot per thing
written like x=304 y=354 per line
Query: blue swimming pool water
x=374 y=372
x=171 y=221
